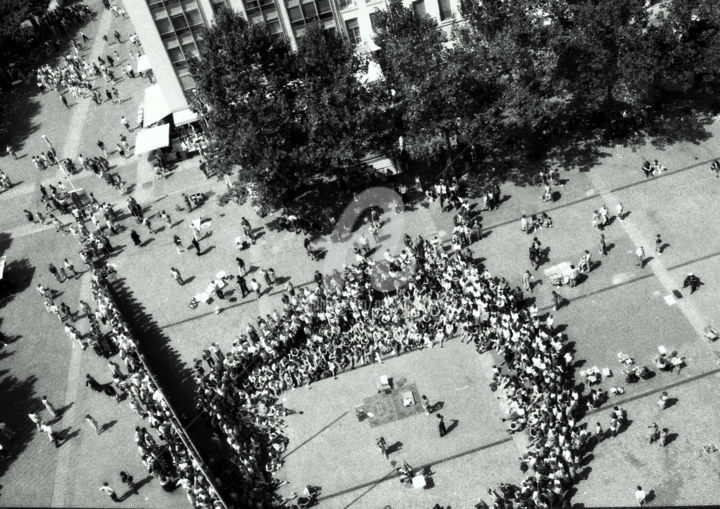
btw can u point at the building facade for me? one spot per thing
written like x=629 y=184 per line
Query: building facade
x=170 y=30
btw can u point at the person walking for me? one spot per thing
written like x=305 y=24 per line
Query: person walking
x=93 y=423
x=640 y=254
x=51 y=434
x=658 y=245
x=640 y=496
x=48 y=406
x=135 y=237
x=441 y=425
x=147 y=224
x=35 y=418
x=176 y=276
x=527 y=281
x=178 y=244
x=105 y=488
x=196 y=245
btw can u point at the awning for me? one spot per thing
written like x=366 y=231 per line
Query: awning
x=143 y=64
x=183 y=117
x=155 y=106
x=150 y=139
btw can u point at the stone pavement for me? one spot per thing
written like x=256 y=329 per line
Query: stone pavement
x=41 y=359
x=620 y=307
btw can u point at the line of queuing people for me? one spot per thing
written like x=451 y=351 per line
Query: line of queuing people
x=166 y=457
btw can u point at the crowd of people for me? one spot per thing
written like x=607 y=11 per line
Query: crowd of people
x=417 y=299
x=167 y=457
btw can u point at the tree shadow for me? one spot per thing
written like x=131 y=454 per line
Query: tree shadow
x=18 y=396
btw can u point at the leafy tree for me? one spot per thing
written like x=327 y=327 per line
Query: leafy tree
x=439 y=90
x=287 y=119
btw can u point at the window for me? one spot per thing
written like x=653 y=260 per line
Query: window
x=347 y=3
x=179 y=22
x=353 y=30
x=419 y=8
x=195 y=17
x=445 y=10
x=324 y=9
x=310 y=12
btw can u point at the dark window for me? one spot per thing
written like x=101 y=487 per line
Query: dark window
x=419 y=8
x=445 y=9
x=353 y=30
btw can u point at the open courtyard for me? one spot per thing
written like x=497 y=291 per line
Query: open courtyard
x=616 y=307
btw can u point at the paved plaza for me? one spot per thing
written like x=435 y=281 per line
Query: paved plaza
x=619 y=308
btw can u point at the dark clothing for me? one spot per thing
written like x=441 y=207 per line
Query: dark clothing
x=135 y=237
x=693 y=282
x=196 y=245
x=441 y=426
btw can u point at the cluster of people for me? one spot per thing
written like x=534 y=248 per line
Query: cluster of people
x=417 y=299
x=147 y=399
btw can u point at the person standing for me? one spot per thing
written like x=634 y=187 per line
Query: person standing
x=382 y=445
x=166 y=217
x=135 y=237
x=663 y=400
x=640 y=254
x=658 y=245
x=176 y=276
x=123 y=121
x=70 y=268
x=242 y=284
x=255 y=287
x=64 y=101
x=603 y=246
x=53 y=270
x=126 y=478
x=557 y=300
x=640 y=496
x=93 y=423
x=619 y=210
x=48 y=406
x=425 y=404
x=178 y=244
x=105 y=488
x=441 y=425
x=691 y=281
x=196 y=245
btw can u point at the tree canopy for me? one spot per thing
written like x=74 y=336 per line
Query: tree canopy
x=511 y=78
x=287 y=119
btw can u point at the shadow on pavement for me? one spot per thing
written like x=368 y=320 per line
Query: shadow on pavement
x=18 y=397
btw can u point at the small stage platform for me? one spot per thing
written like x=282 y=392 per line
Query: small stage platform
x=398 y=402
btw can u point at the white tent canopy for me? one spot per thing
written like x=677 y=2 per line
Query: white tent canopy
x=155 y=106
x=183 y=117
x=143 y=64
x=150 y=139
